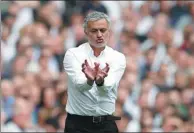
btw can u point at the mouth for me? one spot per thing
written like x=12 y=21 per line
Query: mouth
x=100 y=41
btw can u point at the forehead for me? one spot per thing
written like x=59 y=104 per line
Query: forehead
x=102 y=23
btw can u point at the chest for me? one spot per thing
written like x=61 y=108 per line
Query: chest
x=101 y=60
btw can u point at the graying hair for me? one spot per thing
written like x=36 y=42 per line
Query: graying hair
x=94 y=16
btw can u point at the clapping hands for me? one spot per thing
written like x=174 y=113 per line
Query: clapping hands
x=95 y=74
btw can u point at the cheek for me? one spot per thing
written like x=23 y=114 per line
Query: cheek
x=107 y=35
x=92 y=38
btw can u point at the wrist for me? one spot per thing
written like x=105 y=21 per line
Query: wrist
x=100 y=83
x=90 y=82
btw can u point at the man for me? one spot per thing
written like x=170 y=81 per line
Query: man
x=94 y=71
x=21 y=120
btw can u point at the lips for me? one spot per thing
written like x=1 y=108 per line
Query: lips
x=100 y=41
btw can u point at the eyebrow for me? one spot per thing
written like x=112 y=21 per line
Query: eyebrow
x=99 y=28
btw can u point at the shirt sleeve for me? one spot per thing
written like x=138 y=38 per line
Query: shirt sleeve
x=73 y=68
x=114 y=75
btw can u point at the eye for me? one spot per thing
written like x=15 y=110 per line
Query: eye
x=93 y=31
x=103 y=30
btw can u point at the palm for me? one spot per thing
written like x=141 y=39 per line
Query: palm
x=95 y=73
x=101 y=73
x=89 y=72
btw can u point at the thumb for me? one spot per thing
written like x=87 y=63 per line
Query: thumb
x=86 y=63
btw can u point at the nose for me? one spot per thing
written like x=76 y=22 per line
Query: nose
x=99 y=34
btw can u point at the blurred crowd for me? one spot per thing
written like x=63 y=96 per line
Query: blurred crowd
x=156 y=93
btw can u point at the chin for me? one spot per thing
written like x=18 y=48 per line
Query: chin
x=99 y=45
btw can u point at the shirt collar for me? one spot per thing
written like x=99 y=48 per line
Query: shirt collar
x=91 y=52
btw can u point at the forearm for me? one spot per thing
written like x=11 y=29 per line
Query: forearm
x=73 y=70
x=107 y=84
x=111 y=81
x=82 y=84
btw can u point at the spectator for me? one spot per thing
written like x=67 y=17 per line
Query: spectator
x=8 y=98
x=93 y=5
x=21 y=118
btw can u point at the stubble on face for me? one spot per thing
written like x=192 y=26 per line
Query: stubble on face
x=98 y=33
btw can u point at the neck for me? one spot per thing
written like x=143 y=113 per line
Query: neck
x=97 y=51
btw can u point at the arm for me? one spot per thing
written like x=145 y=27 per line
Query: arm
x=73 y=69
x=114 y=76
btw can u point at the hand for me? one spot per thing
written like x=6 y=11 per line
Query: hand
x=101 y=73
x=89 y=72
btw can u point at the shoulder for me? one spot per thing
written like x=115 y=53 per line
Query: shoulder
x=11 y=127
x=116 y=58
x=116 y=54
x=77 y=51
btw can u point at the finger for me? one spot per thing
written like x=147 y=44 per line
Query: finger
x=83 y=70
x=83 y=65
x=107 y=64
x=108 y=68
x=104 y=74
x=96 y=65
x=86 y=63
x=98 y=77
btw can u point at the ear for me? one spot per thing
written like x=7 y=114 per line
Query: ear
x=85 y=31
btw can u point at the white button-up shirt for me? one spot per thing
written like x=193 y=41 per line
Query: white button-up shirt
x=94 y=100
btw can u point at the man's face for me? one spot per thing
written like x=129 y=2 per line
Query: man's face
x=98 y=33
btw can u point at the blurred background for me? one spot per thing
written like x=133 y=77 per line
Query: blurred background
x=156 y=93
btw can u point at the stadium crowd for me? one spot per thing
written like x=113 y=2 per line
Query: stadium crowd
x=156 y=92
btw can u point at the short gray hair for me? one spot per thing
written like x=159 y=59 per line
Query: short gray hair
x=94 y=16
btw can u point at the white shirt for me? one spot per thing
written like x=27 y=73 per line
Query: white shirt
x=87 y=100
x=7 y=52
x=144 y=25
x=13 y=127
x=114 y=9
